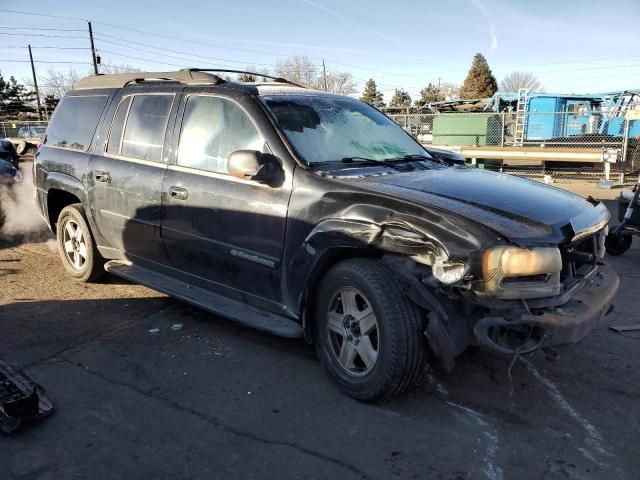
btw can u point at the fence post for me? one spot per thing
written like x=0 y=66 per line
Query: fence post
x=625 y=148
x=502 y=132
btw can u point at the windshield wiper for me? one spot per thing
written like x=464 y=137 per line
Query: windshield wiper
x=365 y=160
x=413 y=157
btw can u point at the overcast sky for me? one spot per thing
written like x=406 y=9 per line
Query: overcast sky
x=573 y=46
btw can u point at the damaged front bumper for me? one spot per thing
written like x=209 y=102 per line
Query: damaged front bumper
x=525 y=329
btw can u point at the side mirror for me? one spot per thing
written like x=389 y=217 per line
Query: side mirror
x=256 y=166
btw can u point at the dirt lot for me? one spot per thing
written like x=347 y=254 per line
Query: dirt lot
x=215 y=400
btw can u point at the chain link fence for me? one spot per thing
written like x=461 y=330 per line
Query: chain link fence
x=558 y=145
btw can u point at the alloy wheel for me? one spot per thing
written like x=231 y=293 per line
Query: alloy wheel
x=75 y=247
x=353 y=331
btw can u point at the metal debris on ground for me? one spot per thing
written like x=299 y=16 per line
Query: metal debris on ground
x=21 y=399
x=625 y=329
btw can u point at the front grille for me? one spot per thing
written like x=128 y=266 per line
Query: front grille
x=580 y=259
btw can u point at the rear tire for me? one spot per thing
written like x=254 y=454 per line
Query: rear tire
x=76 y=246
x=368 y=335
x=617 y=244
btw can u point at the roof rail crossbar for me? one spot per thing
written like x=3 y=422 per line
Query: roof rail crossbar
x=120 y=80
x=151 y=79
x=255 y=74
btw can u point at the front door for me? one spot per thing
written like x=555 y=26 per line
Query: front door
x=125 y=178
x=228 y=233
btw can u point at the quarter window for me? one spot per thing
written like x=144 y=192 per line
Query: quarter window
x=213 y=128
x=115 y=137
x=75 y=121
x=145 y=127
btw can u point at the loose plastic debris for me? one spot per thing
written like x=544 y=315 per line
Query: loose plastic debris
x=154 y=330
x=176 y=327
x=606 y=184
x=21 y=399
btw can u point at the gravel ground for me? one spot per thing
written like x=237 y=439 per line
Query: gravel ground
x=216 y=400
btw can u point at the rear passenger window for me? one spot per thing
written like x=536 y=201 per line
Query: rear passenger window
x=75 y=122
x=115 y=137
x=145 y=127
x=213 y=128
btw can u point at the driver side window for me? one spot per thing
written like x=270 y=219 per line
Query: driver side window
x=213 y=128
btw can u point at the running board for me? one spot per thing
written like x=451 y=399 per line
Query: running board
x=209 y=301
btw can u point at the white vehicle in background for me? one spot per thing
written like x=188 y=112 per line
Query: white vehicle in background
x=29 y=137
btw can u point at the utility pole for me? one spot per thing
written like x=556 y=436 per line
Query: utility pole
x=35 y=84
x=324 y=75
x=93 y=51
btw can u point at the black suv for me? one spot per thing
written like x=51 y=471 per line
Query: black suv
x=303 y=213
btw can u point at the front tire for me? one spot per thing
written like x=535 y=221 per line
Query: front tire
x=368 y=335
x=77 y=249
x=617 y=244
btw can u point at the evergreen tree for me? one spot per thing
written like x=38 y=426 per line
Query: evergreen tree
x=49 y=105
x=16 y=102
x=428 y=95
x=246 y=77
x=480 y=82
x=400 y=99
x=372 y=95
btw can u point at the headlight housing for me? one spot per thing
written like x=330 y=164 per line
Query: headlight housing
x=512 y=272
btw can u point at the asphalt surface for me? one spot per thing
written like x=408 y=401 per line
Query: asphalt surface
x=216 y=400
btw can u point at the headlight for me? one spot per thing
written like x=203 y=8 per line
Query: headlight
x=505 y=261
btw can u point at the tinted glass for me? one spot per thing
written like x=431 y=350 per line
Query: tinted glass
x=116 y=127
x=75 y=121
x=146 y=125
x=213 y=128
x=326 y=129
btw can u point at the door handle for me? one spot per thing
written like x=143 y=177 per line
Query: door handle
x=102 y=176
x=178 y=193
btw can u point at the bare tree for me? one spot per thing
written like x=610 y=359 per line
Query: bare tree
x=449 y=91
x=338 y=82
x=57 y=83
x=517 y=80
x=120 y=68
x=298 y=69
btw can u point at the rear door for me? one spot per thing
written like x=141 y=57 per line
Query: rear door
x=125 y=176
x=226 y=232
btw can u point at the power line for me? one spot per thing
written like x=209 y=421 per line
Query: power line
x=40 y=35
x=43 y=61
x=42 y=28
x=43 y=15
x=143 y=59
x=382 y=72
x=53 y=48
x=99 y=37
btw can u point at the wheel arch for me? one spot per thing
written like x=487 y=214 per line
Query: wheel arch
x=62 y=190
x=328 y=260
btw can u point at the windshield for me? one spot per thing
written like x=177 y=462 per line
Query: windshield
x=328 y=129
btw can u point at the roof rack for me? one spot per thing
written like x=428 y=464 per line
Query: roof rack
x=119 y=80
x=255 y=74
x=186 y=76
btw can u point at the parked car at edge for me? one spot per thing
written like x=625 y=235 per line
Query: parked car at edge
x=9 y=174
x=304 y=213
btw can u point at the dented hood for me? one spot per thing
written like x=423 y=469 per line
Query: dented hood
x=521 y=210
